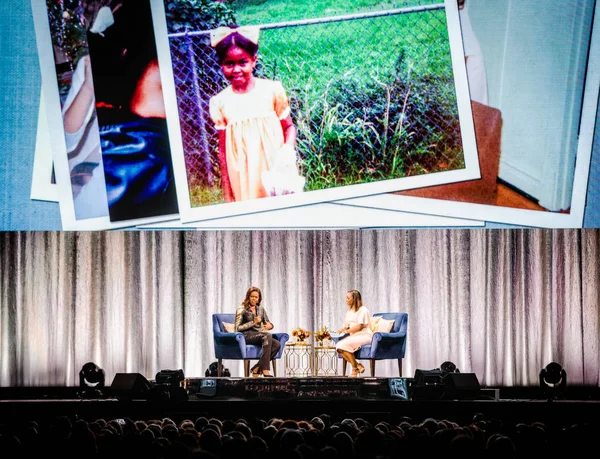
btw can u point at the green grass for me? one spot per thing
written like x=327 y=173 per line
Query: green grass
x=311 y=56
x=205 y=196
x=269 y=11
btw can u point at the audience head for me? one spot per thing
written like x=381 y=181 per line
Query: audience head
x=317 y=423
x=244 y=430
x=290 y=439
x=233 y=445
x=210 y=440
x=344 y=444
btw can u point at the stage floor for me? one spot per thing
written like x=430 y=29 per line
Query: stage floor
x=373 y=399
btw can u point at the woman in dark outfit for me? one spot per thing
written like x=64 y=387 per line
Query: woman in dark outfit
x=252 y=320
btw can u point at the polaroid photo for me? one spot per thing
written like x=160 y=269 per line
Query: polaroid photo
x=534 y=127
x=43 y=185
x=325 y=215
x=313 y=106
x=105 y=113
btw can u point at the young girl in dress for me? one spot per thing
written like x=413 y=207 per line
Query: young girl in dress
x=256 y=133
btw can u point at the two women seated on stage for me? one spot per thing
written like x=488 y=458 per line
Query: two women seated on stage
x=252 y=320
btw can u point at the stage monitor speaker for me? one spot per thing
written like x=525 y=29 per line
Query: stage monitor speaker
x=427 y=385
x=399 y=388
x=461 y=386
x=428 y=377
x=208 y=387
x=131 y=386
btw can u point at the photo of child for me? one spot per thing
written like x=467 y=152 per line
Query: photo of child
x=257 y=136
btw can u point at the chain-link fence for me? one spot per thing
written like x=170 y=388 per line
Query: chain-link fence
x=372 y=96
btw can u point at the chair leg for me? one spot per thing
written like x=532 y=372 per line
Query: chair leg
x=372 y=362
x=219 y=367
x=246 y=368
x=344 y=363
x=400 y=368
x=274 y=364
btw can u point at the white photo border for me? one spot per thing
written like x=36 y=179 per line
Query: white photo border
x=42 y=188
x=324 y=215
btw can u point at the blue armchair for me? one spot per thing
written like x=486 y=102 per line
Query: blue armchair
x=384 y=346
x=232 y=346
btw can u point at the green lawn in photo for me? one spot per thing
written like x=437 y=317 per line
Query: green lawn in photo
x=260 y=12
x=315 y=54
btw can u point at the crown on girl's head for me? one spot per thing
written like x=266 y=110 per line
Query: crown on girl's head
x=220 y=33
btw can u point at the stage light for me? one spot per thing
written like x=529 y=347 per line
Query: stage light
x=448 y=367
x=553 y=380
x=91 y=376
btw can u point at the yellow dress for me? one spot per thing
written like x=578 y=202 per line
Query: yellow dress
x=252 y=124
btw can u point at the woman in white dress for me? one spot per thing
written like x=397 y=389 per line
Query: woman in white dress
x=356 y=326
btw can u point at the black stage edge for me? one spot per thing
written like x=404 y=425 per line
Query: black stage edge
x=373 y=399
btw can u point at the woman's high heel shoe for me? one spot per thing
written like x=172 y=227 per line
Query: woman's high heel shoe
x=256 y=372
x=360 y=368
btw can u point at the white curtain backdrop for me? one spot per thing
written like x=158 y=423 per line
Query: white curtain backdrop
x=498 y=303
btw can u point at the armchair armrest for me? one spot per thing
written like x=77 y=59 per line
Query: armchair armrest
x=228 y=339
x=387 y=340
x=282 y=337
x=381 y=336
x=336 y=337
x=228 y=344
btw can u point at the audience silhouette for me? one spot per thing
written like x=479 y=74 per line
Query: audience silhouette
x=320 y=437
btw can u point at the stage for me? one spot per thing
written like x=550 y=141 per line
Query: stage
x=373 y=399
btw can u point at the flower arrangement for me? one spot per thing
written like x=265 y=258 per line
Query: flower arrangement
x=322 y=334
x=301 y=334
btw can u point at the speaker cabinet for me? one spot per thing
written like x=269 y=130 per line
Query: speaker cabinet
x=427 y=385
x=461 y=386
x=131 y=386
